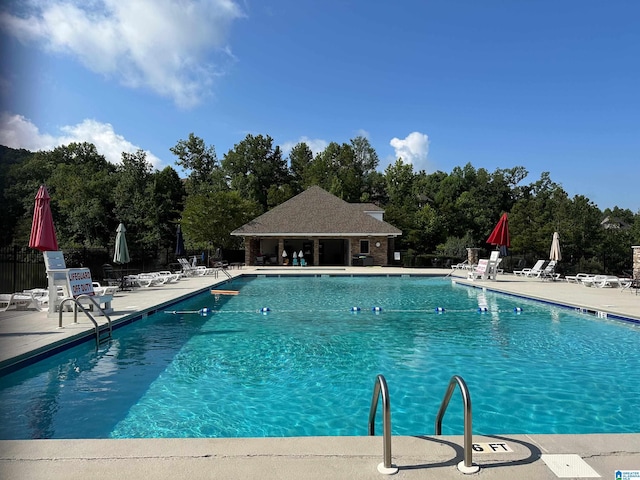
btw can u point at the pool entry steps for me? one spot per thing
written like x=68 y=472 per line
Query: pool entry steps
x=103 y=332
x=466 y=466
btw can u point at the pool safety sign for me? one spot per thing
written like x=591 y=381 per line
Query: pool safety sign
x=627 y=474
x=493 y=447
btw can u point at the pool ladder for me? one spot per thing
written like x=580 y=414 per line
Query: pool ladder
x=380 y=388
x=103 y=332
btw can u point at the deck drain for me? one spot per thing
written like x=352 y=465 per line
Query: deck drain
x=569 y=466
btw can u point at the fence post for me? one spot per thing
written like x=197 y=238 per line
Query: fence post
x=15 y=269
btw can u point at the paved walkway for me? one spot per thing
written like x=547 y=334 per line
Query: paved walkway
x=27 y=333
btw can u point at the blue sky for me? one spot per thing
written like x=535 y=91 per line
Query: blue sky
x=550 y=85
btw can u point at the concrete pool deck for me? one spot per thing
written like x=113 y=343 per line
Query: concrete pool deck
x=27 y=333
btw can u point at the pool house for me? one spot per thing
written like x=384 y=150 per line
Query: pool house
x=327 y=231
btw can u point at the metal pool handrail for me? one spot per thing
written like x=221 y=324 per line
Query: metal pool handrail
x=466 y=466
x=380 y=388
x=77 y=304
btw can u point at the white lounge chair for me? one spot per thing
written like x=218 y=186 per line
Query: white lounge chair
x=531 y=272
x=462 y=265
x=607 y=281
x=187 y=269
x=577 y=278
x=108 y=290
x=19 y=301
x=549 y=272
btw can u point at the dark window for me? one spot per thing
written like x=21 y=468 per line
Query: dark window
x=364 y=246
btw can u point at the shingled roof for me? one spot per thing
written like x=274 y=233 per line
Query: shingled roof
x=316 y=212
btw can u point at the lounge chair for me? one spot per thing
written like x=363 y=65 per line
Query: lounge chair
x=19 y=301
x=549 y=272
x=108 y=290
x=187 y=269
x=462 y=266
x=607 y=281
x=531 y=272
x=577 y=278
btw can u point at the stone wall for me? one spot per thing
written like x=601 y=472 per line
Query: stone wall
x=379 y=253
x=636 y=261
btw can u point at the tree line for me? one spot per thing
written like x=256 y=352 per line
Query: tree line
x=440 y=214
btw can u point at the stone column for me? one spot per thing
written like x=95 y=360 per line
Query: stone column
x=472 y=255
x=636 y=261
x=316 y=252
x=280 y=249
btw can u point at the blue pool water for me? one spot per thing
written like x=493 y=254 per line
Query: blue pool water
x=308 y=366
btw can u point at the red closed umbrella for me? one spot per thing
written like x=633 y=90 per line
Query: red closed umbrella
x=43 y=234
x=500 y=235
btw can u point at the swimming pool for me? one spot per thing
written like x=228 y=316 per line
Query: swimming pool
x=307 y=367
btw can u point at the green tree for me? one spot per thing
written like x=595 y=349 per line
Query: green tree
x=11 y=207
x=169 y=195
x=79 y=181
x=253 y=166
x=135 y=204
x=201 y=163
x=300 y=158
x=209 y=218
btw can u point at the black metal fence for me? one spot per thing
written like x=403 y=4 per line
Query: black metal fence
x=22 y=268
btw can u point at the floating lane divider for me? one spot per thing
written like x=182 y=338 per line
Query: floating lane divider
x=224 y=292
x=483 y=309
x=517 y=309
x=355 y=309
x=439 y=309
x=264 y=310
x=203 y=311
x=376 y=309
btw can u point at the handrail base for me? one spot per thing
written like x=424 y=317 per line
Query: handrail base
x=387 y=470
x=468 y=470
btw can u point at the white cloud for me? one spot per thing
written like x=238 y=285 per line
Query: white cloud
x=316 y=145
x=413 y=149
x=18 y=132
x=166 y=46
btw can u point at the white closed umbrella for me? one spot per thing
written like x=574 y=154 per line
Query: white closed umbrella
x=555 y=253
x=301 y=255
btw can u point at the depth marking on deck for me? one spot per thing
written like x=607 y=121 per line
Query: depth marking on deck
x=493 y=447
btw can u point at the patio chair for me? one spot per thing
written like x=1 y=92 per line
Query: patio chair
x=187 y=269
x=531 y=272
x=19 y=301
x=549 y=272
x=576 y=278
x=100 y=290
x=611 y=281
x=461 y=266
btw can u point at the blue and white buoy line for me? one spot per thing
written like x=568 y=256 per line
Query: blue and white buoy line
x=202 y=312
